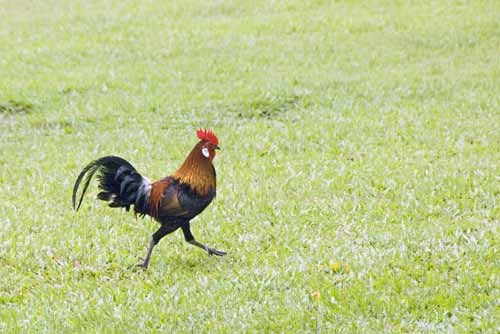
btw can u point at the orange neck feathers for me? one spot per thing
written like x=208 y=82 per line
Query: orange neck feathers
x=197 y=171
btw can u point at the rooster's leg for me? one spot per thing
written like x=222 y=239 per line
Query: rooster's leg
x=157 y=236
x=190 y=238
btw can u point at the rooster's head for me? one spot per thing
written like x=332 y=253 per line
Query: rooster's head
x=209 y=143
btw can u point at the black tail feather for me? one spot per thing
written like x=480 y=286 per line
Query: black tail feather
x=119 y=181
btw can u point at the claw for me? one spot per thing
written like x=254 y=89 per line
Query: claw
x=143 y=265
x=216 y=252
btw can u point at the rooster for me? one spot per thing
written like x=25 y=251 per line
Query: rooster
x=172 y=201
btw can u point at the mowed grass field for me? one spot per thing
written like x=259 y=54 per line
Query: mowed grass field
x=358 y=181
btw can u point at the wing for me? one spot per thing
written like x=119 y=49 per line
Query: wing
x=165 y=201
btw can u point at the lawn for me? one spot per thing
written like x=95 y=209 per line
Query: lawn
x=358 y=181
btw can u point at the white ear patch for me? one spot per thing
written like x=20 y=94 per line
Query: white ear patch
x=205 y=152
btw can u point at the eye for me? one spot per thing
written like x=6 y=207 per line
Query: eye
x=205 y=152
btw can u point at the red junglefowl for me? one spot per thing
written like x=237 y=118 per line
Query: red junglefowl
x=172 y=201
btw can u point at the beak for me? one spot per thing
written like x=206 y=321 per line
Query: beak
x=217 y=147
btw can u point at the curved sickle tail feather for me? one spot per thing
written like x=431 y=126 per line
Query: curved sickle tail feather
x=119 y=181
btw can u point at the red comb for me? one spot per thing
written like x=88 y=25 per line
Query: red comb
x=208 y=135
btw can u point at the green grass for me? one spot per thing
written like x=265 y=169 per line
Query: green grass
x=359 y=133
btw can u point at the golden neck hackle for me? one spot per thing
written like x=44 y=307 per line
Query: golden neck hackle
x=197 y=171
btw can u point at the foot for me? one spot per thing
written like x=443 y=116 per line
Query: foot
x=212 y=251
x=209 y=250
x=143 y=264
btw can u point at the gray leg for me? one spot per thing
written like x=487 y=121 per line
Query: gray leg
x=189 y=238
x=157 y=236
